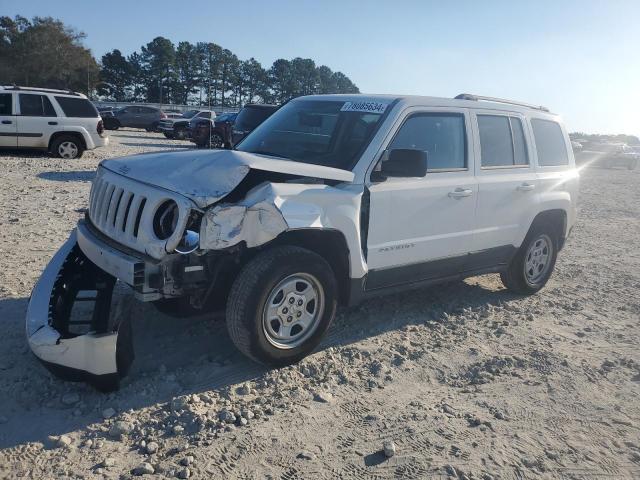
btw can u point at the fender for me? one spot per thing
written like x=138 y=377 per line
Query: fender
x=88 y=140
x=273 y=208
x=550 y=200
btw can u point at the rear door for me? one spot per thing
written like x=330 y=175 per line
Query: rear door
x=37 y=120
x=507 y=185
x=8 y=123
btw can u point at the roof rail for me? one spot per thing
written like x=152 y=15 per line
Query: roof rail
x=46 y=90
x=468 y=96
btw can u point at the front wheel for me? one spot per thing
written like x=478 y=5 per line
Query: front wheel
x=533 y=264
x=281 y=304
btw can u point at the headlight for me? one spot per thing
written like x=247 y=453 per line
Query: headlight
x=189 y=243
x=165 y=219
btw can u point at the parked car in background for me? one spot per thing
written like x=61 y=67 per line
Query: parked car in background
x=178 y=127
x=106 y=111
x=221 y=136
x=608 y=155
x=62 y=122
x=248 y=119
x=214 y=134
x=135 y=116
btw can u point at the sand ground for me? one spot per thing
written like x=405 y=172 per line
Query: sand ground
x=466 y=379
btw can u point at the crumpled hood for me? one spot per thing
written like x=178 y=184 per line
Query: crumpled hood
x=206 y=176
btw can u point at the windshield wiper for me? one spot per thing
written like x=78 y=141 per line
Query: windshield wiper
x=270 y=154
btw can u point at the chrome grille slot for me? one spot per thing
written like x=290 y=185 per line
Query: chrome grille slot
x=123 y=210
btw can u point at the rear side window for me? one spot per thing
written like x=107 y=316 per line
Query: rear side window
x=5 y=104
x=502 y=142
x=77 y=107
x=35 y=106
x=549 y=143
x=441 y=135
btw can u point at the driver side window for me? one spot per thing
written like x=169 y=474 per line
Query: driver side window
x=441 y=135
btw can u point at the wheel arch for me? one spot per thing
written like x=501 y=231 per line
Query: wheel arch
x=66 y=133
x=330 y=244
x=556 y=218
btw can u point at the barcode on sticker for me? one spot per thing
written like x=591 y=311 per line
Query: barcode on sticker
x=368 y=107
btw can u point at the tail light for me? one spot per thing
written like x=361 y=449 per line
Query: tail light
x=100 y=127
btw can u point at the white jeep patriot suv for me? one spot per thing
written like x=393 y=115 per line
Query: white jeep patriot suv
x=62 y=122
x=332 y=200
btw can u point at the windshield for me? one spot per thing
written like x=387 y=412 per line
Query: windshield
x=189 y=113
x=329 y=133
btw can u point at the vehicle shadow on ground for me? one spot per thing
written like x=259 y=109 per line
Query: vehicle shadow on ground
x=136 y=137
x=171 y=146
x=72 y=176
x=26 y=153
x=185 y=356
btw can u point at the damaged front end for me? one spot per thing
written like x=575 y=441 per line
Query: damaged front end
x=74 y=342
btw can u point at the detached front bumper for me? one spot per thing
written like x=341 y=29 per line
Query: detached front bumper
x=97 y=350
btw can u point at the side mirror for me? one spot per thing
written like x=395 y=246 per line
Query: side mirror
x=404 y=162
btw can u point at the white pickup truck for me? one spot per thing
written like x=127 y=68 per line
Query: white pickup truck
x=334 y=200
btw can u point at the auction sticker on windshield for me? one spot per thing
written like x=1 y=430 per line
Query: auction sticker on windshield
x=367 y=107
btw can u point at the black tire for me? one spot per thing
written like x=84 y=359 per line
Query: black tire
x=515 y=277
x=67 y=147
x=180 y=133
x=168 y=135
x=216 y=141
x=251 y=290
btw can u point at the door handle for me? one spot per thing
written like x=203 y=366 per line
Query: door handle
x=461 y=193
x=7 y=122
x=526 y=187
x=53 y=123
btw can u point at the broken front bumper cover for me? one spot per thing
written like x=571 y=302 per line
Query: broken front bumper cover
x=103 y=354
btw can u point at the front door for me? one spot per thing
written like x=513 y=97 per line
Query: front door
x=8 y=124
x=422 y=228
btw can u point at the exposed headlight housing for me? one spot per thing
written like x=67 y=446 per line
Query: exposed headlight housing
x=190 y=238
x=189 y=243
x=165 y=219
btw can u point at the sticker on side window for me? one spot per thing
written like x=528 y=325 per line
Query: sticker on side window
x=367 y=107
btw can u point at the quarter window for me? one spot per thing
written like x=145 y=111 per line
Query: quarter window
x=36 y=106
x=5 y=104
x=549 y=143
x=441 y=135
x=502 y=142
x=77 y=107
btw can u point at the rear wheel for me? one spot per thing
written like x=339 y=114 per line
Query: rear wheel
x=533 y=264
x=281 y=304
x=67 y=146
x=180 y=134
x=168 y=135
x=216 y=141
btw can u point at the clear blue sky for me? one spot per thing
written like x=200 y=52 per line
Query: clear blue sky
x=580 y=58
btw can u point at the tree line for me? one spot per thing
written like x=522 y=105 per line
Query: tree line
x=44 y=52
x=205 y=72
